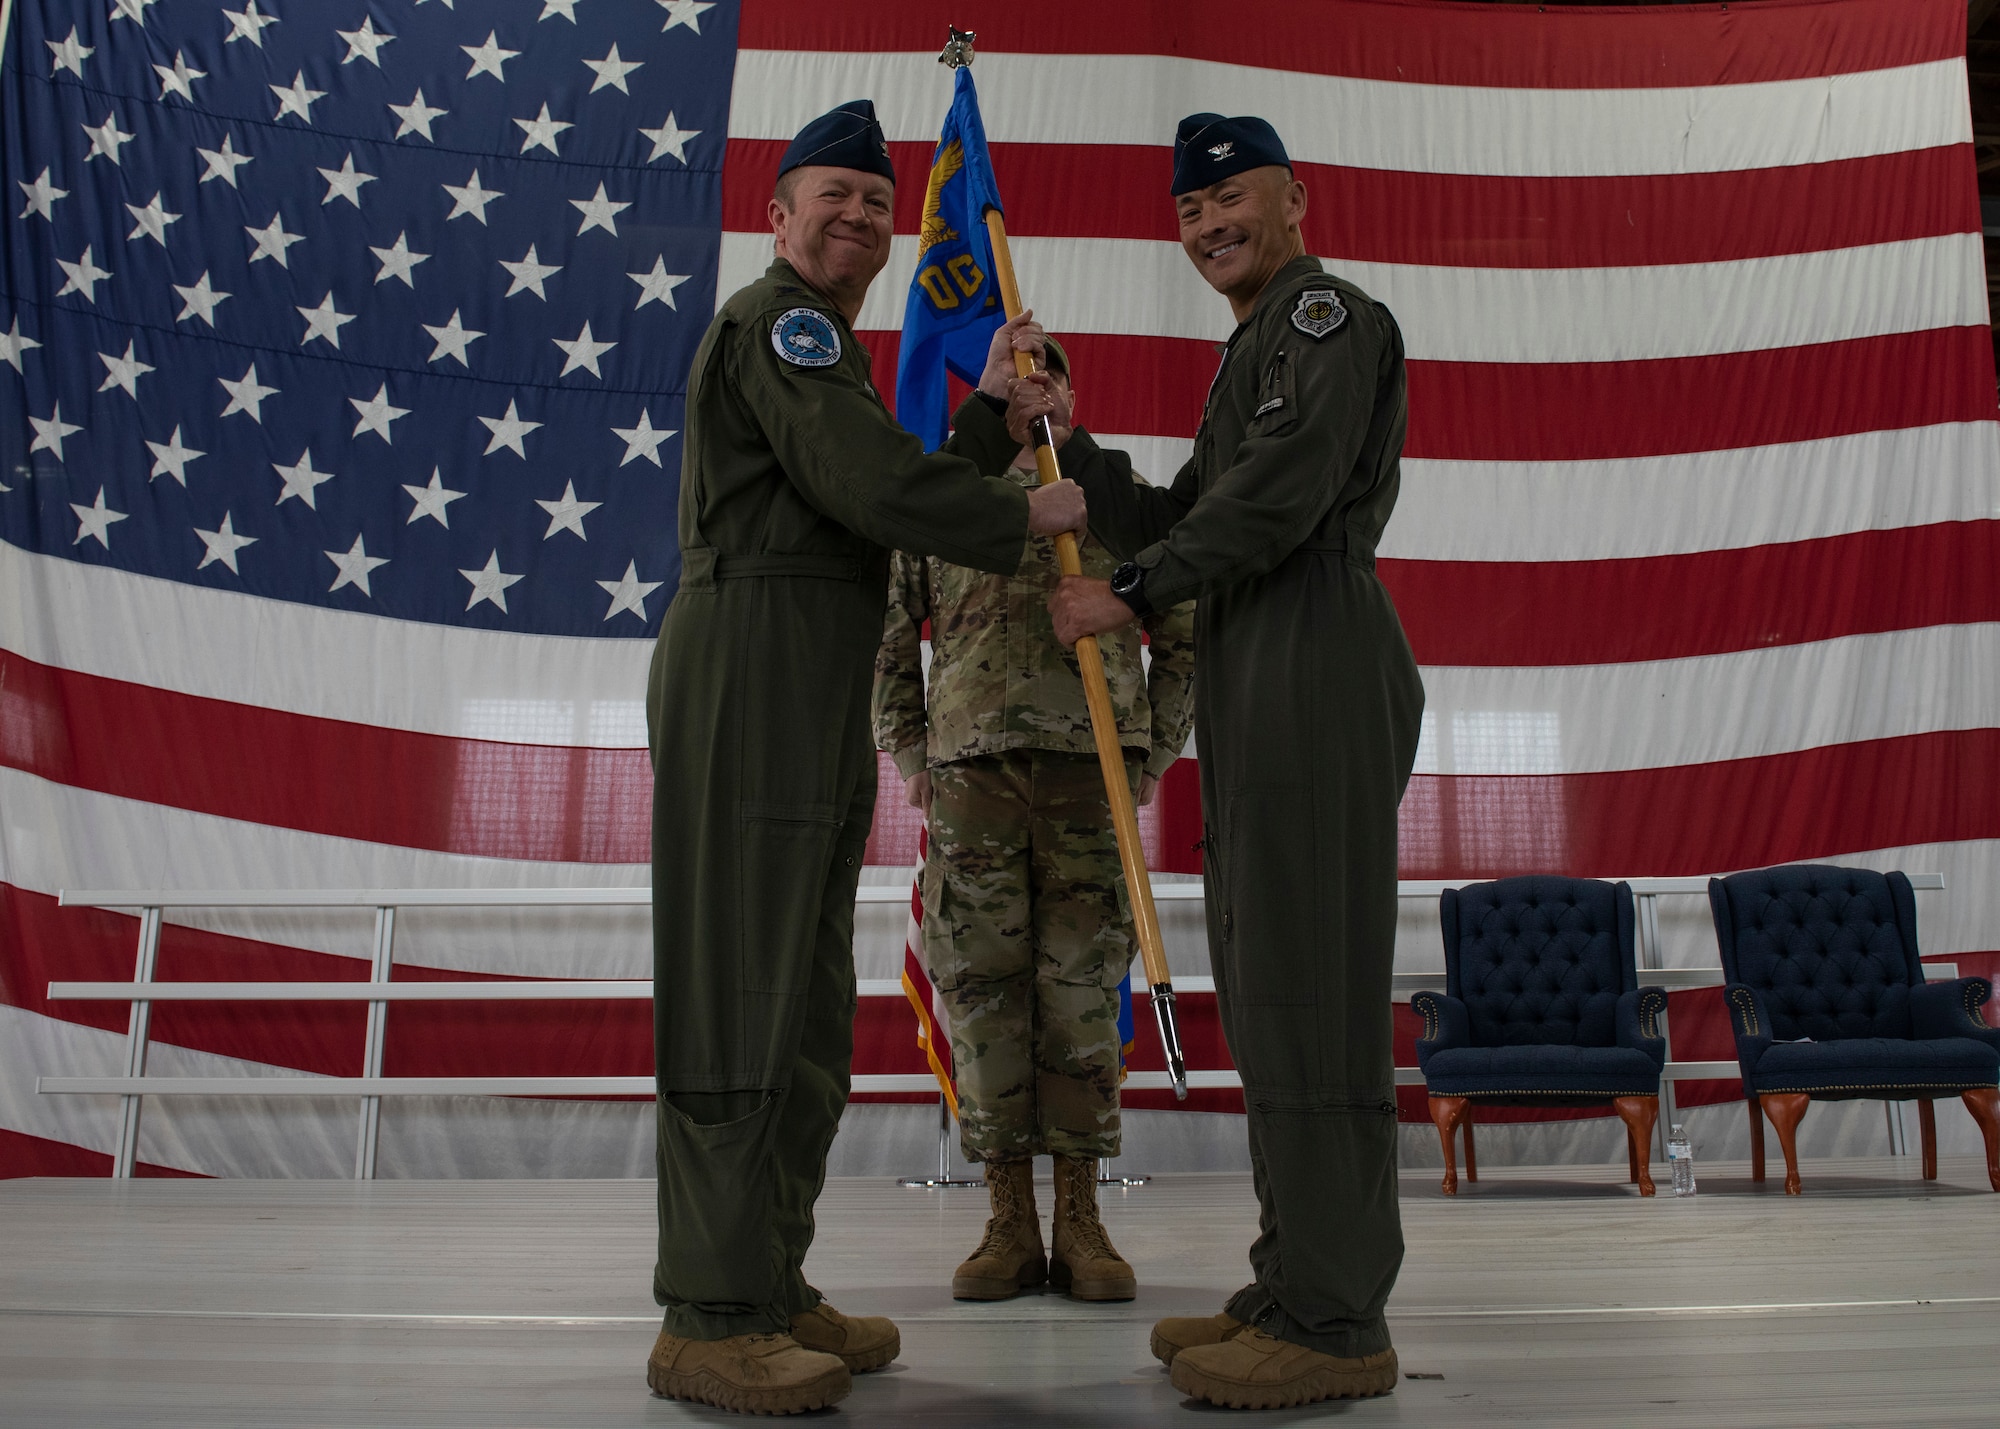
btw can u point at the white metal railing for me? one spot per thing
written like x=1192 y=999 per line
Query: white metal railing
x=379 y=991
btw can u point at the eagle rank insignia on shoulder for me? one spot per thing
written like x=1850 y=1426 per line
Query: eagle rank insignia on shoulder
x=1319 y=312
x=805 y=338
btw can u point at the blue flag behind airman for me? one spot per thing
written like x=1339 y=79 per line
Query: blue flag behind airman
x=954 y=302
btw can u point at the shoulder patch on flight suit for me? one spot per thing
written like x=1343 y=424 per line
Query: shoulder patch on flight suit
x=805 y=337
x=1319 y=312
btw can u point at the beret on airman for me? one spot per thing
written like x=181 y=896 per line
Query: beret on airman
x=845 y=137
x=1053 y=356
x=1209 y=148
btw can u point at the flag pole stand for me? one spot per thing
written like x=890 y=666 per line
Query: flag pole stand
x=944 y=1180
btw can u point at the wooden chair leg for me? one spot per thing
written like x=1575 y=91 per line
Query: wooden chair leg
x=1471 y=1152
x=1787 y=1110
x=1640 y=1115
x=1756 y=1139
x=1447 y=1112
x=1984 y=1104
x=1927 y=1123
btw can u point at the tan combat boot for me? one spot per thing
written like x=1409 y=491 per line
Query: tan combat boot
x=863 y=1342
x=1171 y=1336
x=751 y=1374
x=1082 y=1261
x=1253 y=1370
x=1010 y=1257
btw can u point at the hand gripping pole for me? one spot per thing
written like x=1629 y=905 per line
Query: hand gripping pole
x=1103 y=720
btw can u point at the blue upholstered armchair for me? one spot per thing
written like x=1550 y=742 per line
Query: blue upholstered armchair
x=1542 y=1007
x=1828 y=1002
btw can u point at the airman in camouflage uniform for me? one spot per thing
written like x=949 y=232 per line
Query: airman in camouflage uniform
x=1027 y=929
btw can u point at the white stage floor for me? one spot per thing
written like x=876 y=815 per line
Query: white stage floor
x=1537 y=1297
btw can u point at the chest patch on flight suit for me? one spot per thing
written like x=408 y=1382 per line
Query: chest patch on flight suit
x=805 y=338
x=1319 y=312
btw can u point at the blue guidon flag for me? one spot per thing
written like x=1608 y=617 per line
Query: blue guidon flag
x=954 y=303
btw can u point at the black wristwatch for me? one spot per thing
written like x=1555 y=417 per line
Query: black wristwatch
x=1128 y=583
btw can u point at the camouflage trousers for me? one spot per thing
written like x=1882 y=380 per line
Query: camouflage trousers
x=1027 y=935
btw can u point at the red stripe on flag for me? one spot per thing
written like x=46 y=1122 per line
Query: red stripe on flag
x=1704 y=603
x=1459 y=220
x=1419 y=43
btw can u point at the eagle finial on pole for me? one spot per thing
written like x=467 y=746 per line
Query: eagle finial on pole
x=958 y=49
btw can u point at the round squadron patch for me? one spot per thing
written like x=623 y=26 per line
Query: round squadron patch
x=805 y=337
x=1319 y=312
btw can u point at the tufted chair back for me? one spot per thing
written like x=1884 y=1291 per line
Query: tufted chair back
x=1540 y=959
x=1833 y=951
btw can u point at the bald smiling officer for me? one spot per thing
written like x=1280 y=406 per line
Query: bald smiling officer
x=795 y=485
x=1306 y=719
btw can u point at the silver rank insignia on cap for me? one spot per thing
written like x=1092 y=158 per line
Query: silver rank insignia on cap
x=805 y=338
x=1319 y=312
x=1223 y=150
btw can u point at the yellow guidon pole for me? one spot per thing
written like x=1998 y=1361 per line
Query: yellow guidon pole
x=1096 y=693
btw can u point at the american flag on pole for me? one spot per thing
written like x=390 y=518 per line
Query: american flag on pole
x=346 y=578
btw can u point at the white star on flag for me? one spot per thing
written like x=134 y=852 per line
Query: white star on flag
x=582 y=351
x=344 y=182
x=432 y=500
x=540 y=132
x=611 y=71
x=684 y=12
x=199 y=301
x=564 y=8
x=134 y=10
x=657 y=286
x=376 y=413
x=643 y=440
x=69 y=54
x=295 y=98
x=452 y=340
x=123 y=372
x=416 y=117
x=170 y=458
x=507 y=432
x=95 y=521
x=354 y=564
x=488 y=58
x=567 y=513
x=84 y=276
x=42 y=196
x=471 y=199
x=222 y=545
x=245 y=395
x=247 y=24
x=324 y=321
x=106 y=139
x=598 y=212
x=669 y=139
x=364 y=43
x=529 y=274
x=301 y=480
x=489 y=583
x=12 y=345
x=628 y=592
x=397 y=260
x=179 y=79
x=223 y=163
x=51 y=432
x=151 y=221
x=273 y=241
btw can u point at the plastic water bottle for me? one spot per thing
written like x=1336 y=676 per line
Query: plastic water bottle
x=1680 y=1156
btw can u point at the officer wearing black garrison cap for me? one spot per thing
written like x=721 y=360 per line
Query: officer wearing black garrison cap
x=1306 y=720
x=795 y=485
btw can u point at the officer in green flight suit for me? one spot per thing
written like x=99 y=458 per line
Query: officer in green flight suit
x=1306 y=719
x=795 y=486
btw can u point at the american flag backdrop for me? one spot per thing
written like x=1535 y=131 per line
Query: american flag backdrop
x=346 y=344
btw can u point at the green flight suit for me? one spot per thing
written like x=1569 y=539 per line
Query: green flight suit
x=1306 y=718
x=795 y=485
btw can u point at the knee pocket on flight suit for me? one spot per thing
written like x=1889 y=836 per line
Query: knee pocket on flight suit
x=715 y=1184
x=1266 y=864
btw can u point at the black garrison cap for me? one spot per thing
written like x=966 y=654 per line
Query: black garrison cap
x=1209 y=148
x=845 y=137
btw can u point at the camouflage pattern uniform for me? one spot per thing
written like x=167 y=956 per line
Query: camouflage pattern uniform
x=1027 y=928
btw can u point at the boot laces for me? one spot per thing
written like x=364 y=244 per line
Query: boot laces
x=1086 y=1231
x=1008 y=1213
